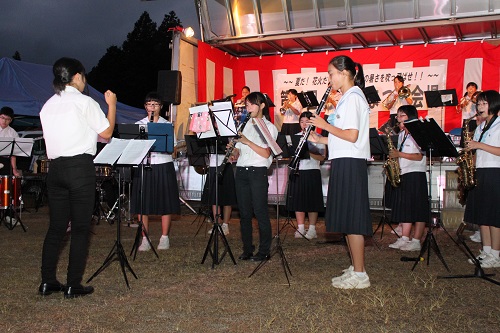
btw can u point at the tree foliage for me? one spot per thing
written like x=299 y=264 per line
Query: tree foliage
x=131 y=71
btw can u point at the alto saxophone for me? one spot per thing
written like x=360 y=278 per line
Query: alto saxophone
x=466 y=168
x=391 y=166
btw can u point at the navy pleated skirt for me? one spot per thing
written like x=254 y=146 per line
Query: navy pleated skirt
x=347 y=205
x=227 y=188
x=305 y=193
x=482 y=202
x=161 y=193
x=410 y=201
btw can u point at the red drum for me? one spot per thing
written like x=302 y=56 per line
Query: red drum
x=10 y=191
x=103 y=171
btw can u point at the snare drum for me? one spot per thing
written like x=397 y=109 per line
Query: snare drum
x=10 y=191
x=103 y=171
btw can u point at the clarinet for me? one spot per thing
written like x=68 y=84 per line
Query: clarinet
x=294 y=163
x=229 y=150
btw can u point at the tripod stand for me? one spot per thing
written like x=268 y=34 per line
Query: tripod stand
x=377 y=146
x=478 y=270
x=117 y=249
x=278 y=246
x=431 y=138
x=212 y=247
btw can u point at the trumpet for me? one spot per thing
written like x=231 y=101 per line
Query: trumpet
x=285 y=106
x=403 y=92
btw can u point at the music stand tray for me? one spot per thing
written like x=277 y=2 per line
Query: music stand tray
x=308 y=99
x=371 y=95
x=438 y=98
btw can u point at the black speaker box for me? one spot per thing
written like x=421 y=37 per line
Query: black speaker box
x=170 y=86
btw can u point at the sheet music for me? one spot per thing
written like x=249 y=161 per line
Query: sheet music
x=264 y=131
x=128 y=152
x=223 y=113
x=198 y=109
x=22 y=146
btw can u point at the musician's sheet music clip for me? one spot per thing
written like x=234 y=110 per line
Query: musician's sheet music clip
x=308 y=99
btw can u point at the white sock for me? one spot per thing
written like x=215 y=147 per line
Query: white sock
x=361 y=274
x=164 y=236
x=405 y=238
x=312 y=227
x=415 y=240
x=495 y=253
x=487 y=249
x=301 y=228
x=224 y=223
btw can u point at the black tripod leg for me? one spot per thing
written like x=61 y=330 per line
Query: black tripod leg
x=138 y=235
x=425 y=247
x=435 y=247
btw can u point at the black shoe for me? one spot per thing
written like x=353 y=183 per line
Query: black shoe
x=49 y=288
x=260 y=257
x=245 y=256
x=72 y=292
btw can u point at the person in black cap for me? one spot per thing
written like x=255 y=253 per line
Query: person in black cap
x=409 y=201
x=6 y=117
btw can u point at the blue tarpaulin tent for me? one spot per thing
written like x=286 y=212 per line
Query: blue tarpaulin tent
x=25 y=87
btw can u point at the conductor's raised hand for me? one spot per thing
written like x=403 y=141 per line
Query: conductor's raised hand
x=110 y=97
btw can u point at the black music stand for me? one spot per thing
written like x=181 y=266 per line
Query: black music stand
x=308 y=99
x=13 y=147
x=222 y=121
x=109 y=156
x=371 y=95
x=441 y=98
x=431 y=138
x=378 y=147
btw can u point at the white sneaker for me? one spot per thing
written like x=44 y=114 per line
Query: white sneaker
x=298 y=234
x=476 y=237
x=310 y=234
x=413 y=245
x=490 y=261
x=225 y=229
x=398 y=230
x=144 y=245
x=480 y=257
x=397 y=244
x=352 y=281
x=164 y=243
x=345 y=273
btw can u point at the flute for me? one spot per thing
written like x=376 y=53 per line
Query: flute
x=294 y=163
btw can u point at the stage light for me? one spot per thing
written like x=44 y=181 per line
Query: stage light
x=188 y=32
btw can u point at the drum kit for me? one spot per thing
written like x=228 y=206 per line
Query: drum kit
x=11 y=201
x=108 y=200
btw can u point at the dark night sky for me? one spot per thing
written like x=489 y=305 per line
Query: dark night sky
x=45 y=30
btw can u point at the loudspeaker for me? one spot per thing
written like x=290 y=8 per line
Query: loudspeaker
x=170 y=86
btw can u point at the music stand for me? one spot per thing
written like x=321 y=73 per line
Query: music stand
x=371 y=95
x=431 y=138
x=478 y=270
x=378 y=147
x=308 y=99
x=221 y=115
x=121 y=150
x=439 y=98
x=13 y=147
